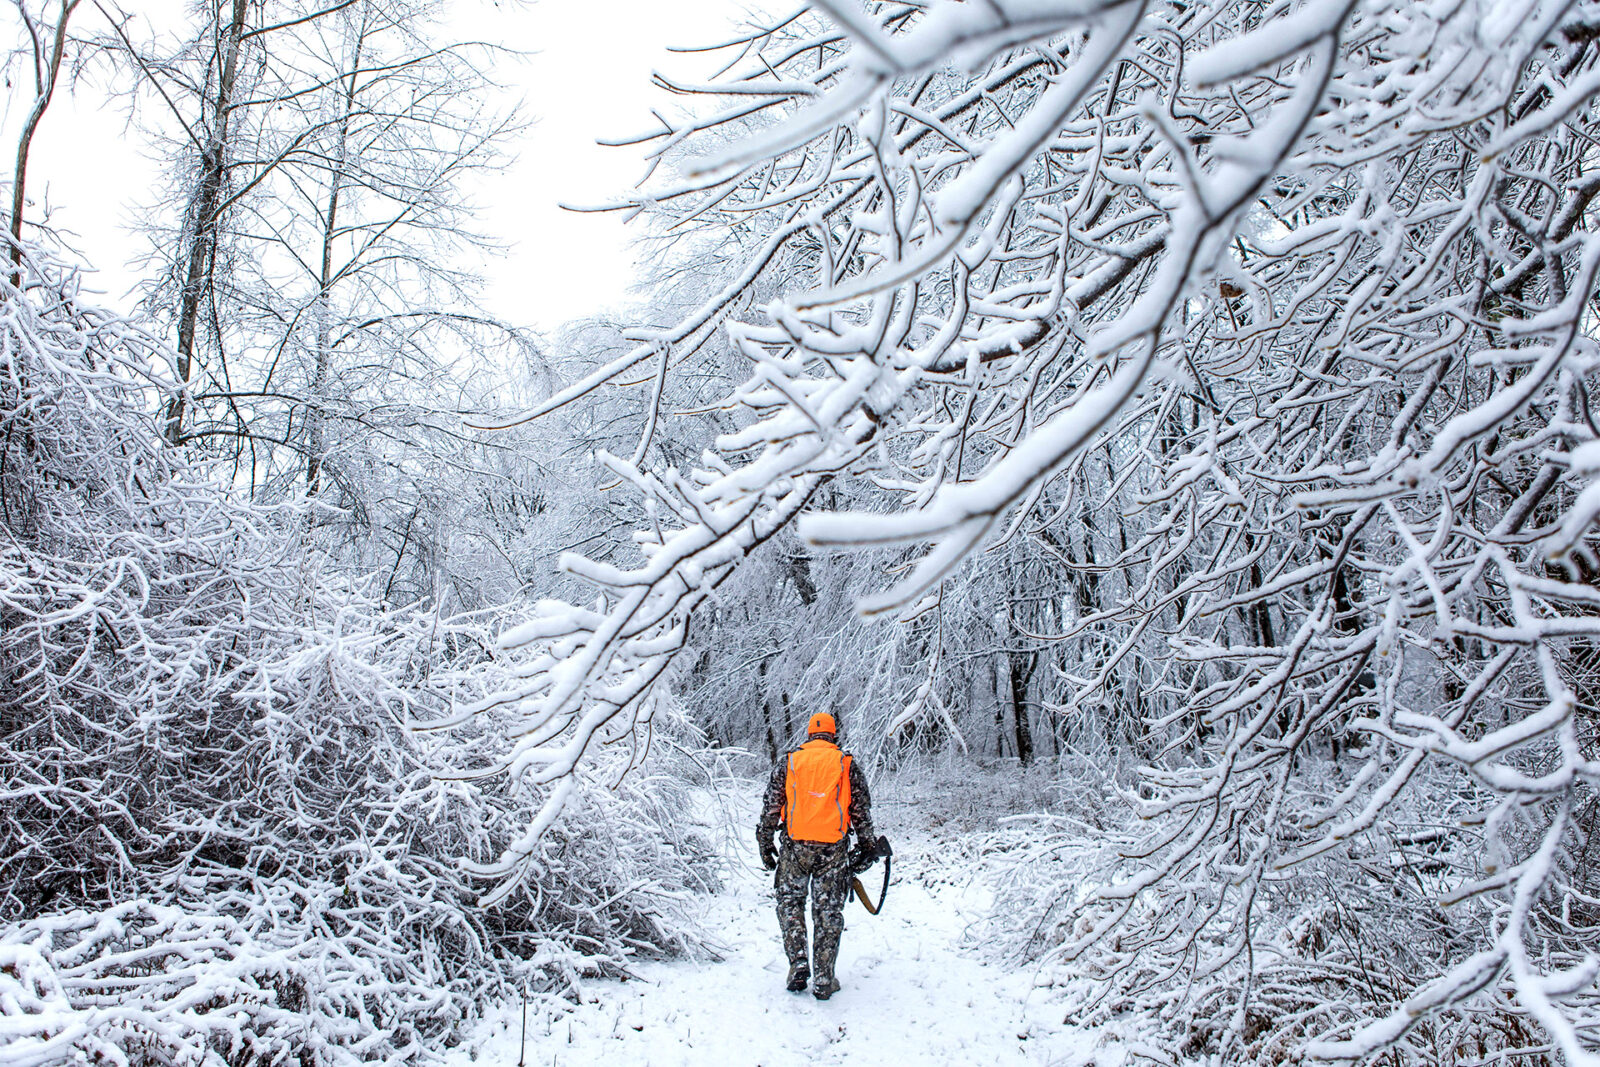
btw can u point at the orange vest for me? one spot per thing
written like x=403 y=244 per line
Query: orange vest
x=816 y=806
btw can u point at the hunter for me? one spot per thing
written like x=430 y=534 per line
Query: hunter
x=817 y=795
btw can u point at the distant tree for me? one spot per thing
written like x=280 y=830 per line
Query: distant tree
x=320 y=281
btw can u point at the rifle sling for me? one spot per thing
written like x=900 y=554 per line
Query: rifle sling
x=861 y=892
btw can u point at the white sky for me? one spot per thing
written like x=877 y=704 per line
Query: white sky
x=587 y=76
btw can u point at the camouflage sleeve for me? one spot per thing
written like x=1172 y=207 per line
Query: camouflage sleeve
x=772 y=803
x=861 y=805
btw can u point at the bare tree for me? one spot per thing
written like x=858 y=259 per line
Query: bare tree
x=320 y=280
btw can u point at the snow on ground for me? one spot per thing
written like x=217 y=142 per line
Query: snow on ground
x=916 y=991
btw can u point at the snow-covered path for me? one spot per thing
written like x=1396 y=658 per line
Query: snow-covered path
x=914 y=993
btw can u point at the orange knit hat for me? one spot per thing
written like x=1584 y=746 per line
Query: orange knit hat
x=822 y=723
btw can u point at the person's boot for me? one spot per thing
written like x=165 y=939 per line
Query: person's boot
x=795 y=948
x=826 y=953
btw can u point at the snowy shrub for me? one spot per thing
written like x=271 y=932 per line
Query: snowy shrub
x=221 y=840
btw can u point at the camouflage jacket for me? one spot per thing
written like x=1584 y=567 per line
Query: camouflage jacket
x=860 y=802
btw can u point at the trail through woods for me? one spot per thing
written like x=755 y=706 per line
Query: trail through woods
x=917 y=988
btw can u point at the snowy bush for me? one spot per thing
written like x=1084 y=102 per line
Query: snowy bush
x=221 y=839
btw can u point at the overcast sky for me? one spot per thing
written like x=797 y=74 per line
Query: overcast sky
x=587 y=76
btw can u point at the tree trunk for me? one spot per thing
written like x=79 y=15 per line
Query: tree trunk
x=766 y=710
x=46 y=68
x=203 y=220
x=772 y=742
x=999 y=708
x=1022 y=668
x=799 y=567
x=316 y=403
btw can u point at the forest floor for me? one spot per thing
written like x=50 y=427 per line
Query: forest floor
x=917 y=986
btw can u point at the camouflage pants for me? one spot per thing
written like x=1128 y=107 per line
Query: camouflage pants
x=825 y=870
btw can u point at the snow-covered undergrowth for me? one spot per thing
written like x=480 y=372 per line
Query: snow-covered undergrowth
x=1337 y=941
x=220 y=839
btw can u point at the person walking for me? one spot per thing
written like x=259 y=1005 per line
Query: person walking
x=815 y=798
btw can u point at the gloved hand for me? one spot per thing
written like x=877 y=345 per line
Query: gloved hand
x=769 y=853
x=864 y=855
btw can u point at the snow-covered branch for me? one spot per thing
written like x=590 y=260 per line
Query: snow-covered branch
x=1265 y=340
